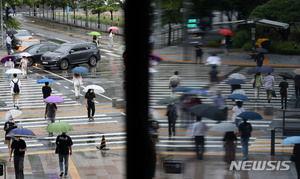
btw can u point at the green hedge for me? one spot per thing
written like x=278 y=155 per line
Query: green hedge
x=284 y=48
x=247 y=46
x=240 y=38
x=213 y=43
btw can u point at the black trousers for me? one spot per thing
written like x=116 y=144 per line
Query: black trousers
x=297 y=91
x=284 y=98
x=171 y=126
x=199 y=144
x=19 y=166
x=298 y=168
x=91 y=106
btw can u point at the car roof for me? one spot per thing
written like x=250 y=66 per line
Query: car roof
x=31 y=40
x=78 y=43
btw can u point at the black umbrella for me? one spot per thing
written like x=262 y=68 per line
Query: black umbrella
x=286 y=75
x=208 y=111
x=11 y=31
x=263 y=69
x=261 y=50
x=235 y=82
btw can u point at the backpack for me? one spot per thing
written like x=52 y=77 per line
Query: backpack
x=16 y=88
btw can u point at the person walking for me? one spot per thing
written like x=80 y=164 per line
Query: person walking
x=227 y=43
x=213 y=78
x=296 y=157
x=111 y=39
x=230 y=143
x=174 y=82
x=8 y=43
x=257 y=82
x=245 y=130
x=23 y=65
x=269 y=85
x=284 y=87
x=18 y=147
x=15 y=88
x=297 y=86
x=8 y=126
x=9 y=64
x=199 y=53
x=198 y=131
x=77 y=82
x=237 y=110
x=172 y=117
x=50 y=112
x=64 y=145
x=90 y=104
x=220 y=102
x=259 y=59
x=46 y=90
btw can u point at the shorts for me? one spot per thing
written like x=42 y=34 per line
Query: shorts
x=16 y=96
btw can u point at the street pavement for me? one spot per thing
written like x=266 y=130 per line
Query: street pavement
x=89 y=162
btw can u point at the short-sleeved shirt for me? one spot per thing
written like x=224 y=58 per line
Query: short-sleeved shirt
x=90 y=97
x=245 y=129
x=219 y=101
x=213 y=75
x=12 y=84
x=238 y=110
x=63 y=142
x=24 y=62
x=51 y=109
x=46 y=91
x=283 y=87
x=17 y=145
x=269 y=80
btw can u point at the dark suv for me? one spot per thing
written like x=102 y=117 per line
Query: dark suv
x=70 y=54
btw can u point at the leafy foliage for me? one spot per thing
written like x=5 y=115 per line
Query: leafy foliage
x=240 y=38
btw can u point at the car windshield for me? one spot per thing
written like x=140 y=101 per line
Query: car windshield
x=63 y=48
x=31 y=49
x=29 y=43
x=23 y=33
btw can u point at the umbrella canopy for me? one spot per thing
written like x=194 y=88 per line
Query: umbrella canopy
x=21 y=132
x=168 y=100
x=2 y=104
x=182 y=89
x=94 y=33
x=291 y=140
x=11 y=31
x=239 y=97
x=250 y=115
x=156 y=57
x=235 y=82
x=261 y=50
x=113 y=28
x=5 y=58
x=80 y=70
x=59 y=127
x=45 y=80
x=96 y=88
x=12 y=113
x=54 y=99
x=226 y=32
x=286 y=75
x=224 y=127
x=13 y=71
x=237 y=76
x=25 y=54
x=297 y=71
x=263 y=69
x=198 y=92
x=239 y=91
x=208 y=111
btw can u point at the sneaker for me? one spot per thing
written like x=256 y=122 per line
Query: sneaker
x=61 y=174
x=18 y=107
x=14 y=105
x=66 y=176
x=92 y=119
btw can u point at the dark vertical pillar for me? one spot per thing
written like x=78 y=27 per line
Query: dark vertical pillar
x=140 y=153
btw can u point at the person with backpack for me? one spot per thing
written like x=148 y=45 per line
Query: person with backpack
x=50 y=112
x=174 y=82
x=15 y=85
x=245 y=130
x=172 y=117
x=284 y=87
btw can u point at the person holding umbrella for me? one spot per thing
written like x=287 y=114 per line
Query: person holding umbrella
x=199 y=53
x=230 y=143
x=64 y=144
x=90 y=104
x=172 y=117
x=46 y=90
x=111 y=38
x=237 y=110
x=77 y=82
x=269 y=85
x=227 y=43
x=198 y=131
x=8 y=43
x=23 y=65
x=18 y=147
x=9 y=64
x=284 y=87
x=245 y=129
x=50 y=112
x=257 y=82
x=8 y=126
x=297 y=86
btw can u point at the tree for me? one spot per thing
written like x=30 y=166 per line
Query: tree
x=111 y=6
x=97 y=7
x=60 y=3
x=73 y=4
x=284 y=11
x=171 y=14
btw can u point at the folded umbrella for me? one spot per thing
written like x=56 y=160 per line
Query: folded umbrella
x=59 y=127
x=238 y=97
x=13 y=71
x=208 y=111
x=237 y=76
x=250 y=116
x=291 y=140
x=45 y=80
x=235 y=82
x=168 y=100
x=96 y=88
x=6 y=57
x=54 y=99
x=286 y=75
x=182 y=89
x=224 y=127
x=80 y=70
x=21 y=132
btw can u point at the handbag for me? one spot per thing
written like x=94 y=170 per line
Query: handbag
x=273 y=94
x=56 y=150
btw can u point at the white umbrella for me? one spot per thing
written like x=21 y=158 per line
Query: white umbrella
x=224 y=127
x=239 y=91
x=96 y=88
x=237 y=76
x=213 y=60
x=13 y=113
x=13 y=71
x=25 y=54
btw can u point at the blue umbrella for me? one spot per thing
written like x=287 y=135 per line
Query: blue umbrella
x=45 y=80
x=21 y=132
x=183 y=89
x=199 y=92
x=291 y=140
x=238 y=96
x=250 y=115
x=235 y=82
x=80 y=70
x=263 y=69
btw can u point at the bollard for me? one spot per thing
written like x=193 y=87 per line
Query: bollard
x=273 y=142
x=120 y=103
x=114 y=102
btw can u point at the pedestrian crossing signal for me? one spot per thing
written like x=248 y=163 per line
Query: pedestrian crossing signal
x=103 y=144
x=192 y=23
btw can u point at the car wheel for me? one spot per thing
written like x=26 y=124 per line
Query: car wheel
x=92 y=61
x=64 y=64
x=30 y=61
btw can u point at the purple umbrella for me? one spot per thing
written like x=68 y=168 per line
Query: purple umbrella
x=156 y=57
x=54 y=99
x=5 y=58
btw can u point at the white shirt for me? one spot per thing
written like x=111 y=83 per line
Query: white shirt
x=269 y=80
x=238 y=110
x=8 y=40
x=198 y=129
x=9 y=65
x=213 y=60
x=77 y=81
x=12 y=85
